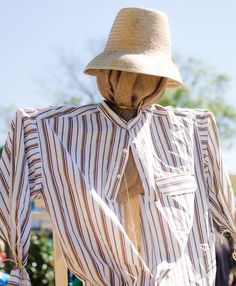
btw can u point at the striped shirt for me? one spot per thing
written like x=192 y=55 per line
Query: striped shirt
x=74 y=159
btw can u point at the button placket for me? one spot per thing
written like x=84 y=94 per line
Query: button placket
x=125 y=152
x=111 y=196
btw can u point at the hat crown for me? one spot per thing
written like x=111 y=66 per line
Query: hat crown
x=139 y=41
x=140 y=30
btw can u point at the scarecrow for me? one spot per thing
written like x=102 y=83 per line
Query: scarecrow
x=132 y=187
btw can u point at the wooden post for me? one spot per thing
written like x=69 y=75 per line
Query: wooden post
x=60 y=268
x=61 y=277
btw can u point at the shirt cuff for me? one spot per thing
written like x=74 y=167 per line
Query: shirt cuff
x=19 y=277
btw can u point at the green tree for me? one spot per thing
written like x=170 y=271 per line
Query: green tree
x=40 y=259
x=204 y=88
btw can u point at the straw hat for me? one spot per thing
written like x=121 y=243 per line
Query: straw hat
x=139 y=41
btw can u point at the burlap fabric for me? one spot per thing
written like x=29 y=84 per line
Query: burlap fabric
x=132 y=90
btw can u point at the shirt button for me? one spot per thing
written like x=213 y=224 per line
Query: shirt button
x=118 y=176
x=125 y=150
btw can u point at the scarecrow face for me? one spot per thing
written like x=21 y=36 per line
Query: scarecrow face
x=130 y=89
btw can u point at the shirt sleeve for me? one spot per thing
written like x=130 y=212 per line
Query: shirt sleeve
x=17 y=188
x=220 y=190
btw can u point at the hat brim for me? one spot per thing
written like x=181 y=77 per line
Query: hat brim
x=159 y=65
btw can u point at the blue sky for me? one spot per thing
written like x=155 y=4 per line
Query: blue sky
x=33 y=33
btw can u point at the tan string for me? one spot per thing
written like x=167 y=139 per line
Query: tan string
x=18 y=263
x=126 y=107
x=234 y=243
x=140 y=104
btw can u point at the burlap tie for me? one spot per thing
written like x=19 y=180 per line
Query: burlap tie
x=132 y=90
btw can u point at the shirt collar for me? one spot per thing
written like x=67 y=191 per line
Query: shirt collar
x=111 y=115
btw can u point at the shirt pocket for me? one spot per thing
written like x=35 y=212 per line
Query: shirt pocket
x=175 y=200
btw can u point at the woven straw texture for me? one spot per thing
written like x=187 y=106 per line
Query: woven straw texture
x=139 y=41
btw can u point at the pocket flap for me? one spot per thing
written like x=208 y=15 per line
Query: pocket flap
x=177 y=184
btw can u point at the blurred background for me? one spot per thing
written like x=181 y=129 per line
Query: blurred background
x=45 y=46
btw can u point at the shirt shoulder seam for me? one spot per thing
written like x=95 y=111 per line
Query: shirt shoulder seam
x=56 y=111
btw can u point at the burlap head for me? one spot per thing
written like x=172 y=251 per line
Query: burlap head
x=129 y=89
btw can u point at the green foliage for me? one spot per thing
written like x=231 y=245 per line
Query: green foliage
x=204 y=88
x=40 y=260
x=1 y=148
x=234 y=188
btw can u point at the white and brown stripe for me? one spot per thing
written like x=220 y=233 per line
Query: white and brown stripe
x=73 y=158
